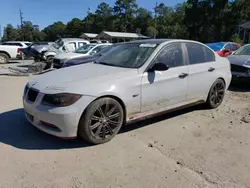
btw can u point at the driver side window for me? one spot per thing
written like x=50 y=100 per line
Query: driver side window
x=171 y=55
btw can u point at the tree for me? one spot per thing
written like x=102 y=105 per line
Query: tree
x=54 y=31
x=74 y=28
x=10 y=33
x=125 y=10
x=151 y=32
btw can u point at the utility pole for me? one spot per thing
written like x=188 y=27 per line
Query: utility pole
x=0 y=32
x=21 y=19
x=156 y=5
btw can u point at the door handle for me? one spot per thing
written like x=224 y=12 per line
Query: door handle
x=183 y=75
x=211 y=69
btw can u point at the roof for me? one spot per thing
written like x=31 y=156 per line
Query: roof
x=17 y=42
x=108 y=34
x=73 y=39
x=150 y=41
x=245 y=25
x=88 y=35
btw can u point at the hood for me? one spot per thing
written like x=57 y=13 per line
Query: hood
x=69 y=55
x=238 y=59
x=73 y=79
x=41 y=48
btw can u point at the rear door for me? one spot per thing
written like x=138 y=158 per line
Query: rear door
x=201 y=70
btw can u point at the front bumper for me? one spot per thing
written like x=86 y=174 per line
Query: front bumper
x=65 y=120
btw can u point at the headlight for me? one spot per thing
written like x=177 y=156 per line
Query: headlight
x=60 y=100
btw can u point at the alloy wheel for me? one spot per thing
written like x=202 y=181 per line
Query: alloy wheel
x=217 y=93
x=105 y=121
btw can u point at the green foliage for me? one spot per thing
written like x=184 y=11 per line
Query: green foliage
x=205 y=21
x=235 y=38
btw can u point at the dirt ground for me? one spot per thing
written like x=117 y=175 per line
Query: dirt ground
x=190 y=148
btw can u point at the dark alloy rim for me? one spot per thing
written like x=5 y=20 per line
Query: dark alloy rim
x=217 y=93
x=105 y=121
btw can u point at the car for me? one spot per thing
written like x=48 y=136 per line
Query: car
x=11 y=50
x=240 y=63
x=224 y=49
x=88 y=59
x=85 y=50
x=62 y=45
x=133 y=81
x=30 y=51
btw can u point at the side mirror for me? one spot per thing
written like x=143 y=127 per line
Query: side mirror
x=159 y=67
x=63 y=48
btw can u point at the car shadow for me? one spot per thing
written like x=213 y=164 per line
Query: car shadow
x=16 y=131
x=240 y=86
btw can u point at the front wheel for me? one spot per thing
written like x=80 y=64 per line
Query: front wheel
x=101 y=121
x=216 y=94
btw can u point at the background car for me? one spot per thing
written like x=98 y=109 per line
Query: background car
x=240 y=63
x=224 y=49
x=132 y=81
x=85 y=50
x=63 y=45
x=88 y=59
x=11 y=50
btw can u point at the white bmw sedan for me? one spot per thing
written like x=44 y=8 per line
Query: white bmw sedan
x=132 y=81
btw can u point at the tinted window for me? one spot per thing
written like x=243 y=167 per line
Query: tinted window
x=171 y=55
x=12 y=44
x=99 y=48
x=228 y=47
x=198 y=53
x=209 y=55
x=81 y=44
x=234 y=47
x=27 y=44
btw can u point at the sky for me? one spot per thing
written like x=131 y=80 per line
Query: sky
x=46 y=12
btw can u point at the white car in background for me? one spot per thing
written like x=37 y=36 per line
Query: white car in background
x=132 y=81
x=63 y=45
x=85 y=50
x=12 y=50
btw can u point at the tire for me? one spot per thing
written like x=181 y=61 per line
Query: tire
x=4 y=58
x=216 y=94
x=49 y=62
x=105 y=115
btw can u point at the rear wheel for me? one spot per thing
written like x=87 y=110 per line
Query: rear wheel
x=4 y=58
x=101 y=121
x=216 y=94
x=49 y=61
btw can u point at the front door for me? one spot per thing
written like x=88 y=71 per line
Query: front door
x=161 y=89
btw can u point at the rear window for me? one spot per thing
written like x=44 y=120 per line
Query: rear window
x=11 y=44
x=198 y=53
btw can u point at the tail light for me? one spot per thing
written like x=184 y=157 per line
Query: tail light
x=18 y=50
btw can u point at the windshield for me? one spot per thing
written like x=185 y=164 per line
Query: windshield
x=58 y=43
x=85 y=48
x=216 y=46
x=245 y=50
x=128 y=55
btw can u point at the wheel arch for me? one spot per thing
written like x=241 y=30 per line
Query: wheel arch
x=118 y=99
x=4 y=52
